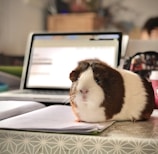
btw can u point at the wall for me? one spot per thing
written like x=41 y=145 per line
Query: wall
x=136 y=11
x=19 y=17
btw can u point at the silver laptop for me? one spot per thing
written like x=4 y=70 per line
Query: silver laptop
x=136 y=45
x=50 y=57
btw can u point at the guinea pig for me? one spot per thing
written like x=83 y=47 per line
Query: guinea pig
x=101 y=93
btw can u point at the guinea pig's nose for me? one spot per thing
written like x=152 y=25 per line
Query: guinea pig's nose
x=83 y=91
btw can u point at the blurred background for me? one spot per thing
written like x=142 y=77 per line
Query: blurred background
x=20 y=17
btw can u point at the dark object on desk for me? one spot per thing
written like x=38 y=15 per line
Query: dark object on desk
x=142 y=63
x=10 y=60
x=100 y=92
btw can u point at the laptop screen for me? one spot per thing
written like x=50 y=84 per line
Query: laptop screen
x=53 y=56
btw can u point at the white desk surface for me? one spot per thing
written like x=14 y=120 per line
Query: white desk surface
x=121 y=137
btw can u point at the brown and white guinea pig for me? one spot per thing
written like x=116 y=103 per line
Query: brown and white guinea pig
x=99 y=93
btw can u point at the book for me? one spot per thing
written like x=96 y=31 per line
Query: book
x=53 y=118
x=13 y=108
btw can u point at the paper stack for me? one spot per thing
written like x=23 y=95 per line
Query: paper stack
x=13 y=108
x=54 y=118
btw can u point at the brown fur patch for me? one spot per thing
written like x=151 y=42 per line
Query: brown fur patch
x=113 y=86
x=150 y=100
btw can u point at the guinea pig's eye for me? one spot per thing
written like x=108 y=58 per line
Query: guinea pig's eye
x=97 y=80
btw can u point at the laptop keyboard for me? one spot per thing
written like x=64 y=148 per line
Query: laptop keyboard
x=45 y=92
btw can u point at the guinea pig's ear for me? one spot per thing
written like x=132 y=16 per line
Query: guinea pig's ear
x=74 y=75
x=82 y=66
x=103 y=72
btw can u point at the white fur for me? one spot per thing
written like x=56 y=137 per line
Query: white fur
x=89 y=110
x=135 y=99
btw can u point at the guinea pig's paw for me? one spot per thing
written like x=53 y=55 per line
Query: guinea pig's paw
x=77 y=120
x=146 y=116
x=133 y=120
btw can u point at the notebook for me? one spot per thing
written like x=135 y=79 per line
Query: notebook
x=50 y=57
x=54 y=118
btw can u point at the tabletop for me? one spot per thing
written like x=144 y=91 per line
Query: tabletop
x=120 y=138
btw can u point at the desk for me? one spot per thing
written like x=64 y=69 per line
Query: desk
x=120 y=138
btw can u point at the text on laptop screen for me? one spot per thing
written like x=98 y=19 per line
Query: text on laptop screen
x=53 y=58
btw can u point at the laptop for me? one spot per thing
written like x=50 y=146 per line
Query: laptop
x=50 y=57
x=137 y=45
x=125 y=40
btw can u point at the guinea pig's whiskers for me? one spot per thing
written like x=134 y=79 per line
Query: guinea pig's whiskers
x=66 y=101
x=72 y=97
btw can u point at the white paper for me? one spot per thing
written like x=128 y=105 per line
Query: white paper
x=54 y=118
x=13 y=108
